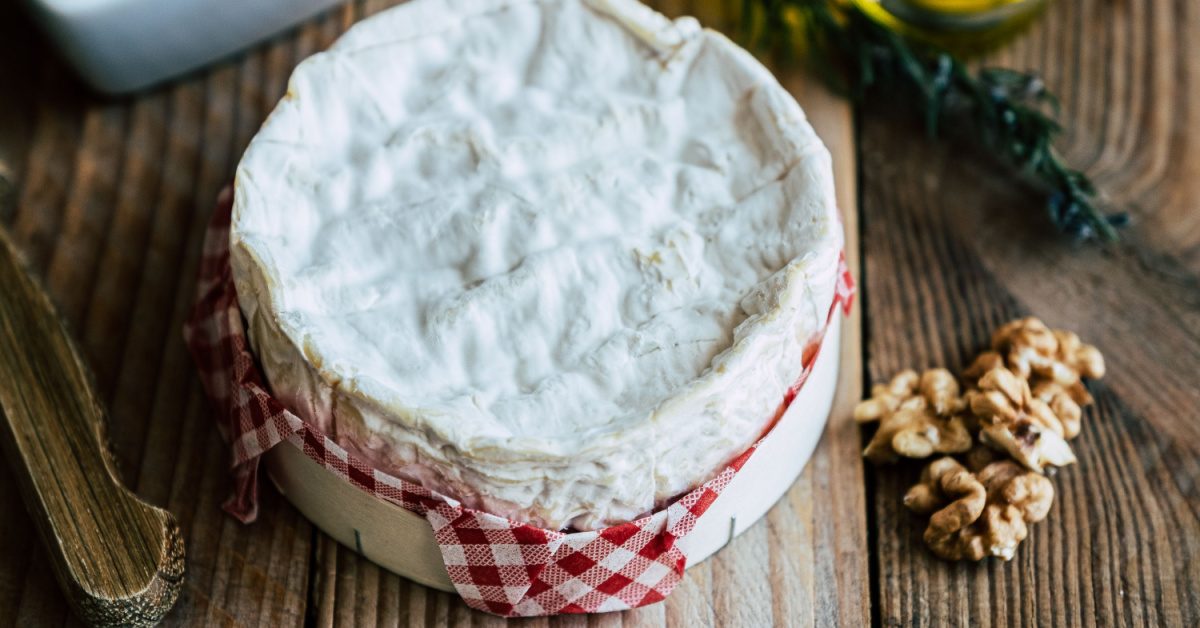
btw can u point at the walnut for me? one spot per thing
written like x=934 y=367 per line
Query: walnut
x=985 y=514
x=1014 y=420
x=1006 y=482
x=918 y=416
x=1026 y=344
x=1037 y=353
x=1074 y=359
x=1053 y=362
x=983 y=363
x=929 y=434
x=1003 y=397
x=954 y=496
x=996 y=533
x=886 y=398
x=1029 y=444
x=940 y=389
x=1065 y=402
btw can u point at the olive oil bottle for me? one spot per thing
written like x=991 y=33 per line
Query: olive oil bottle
x=962 y=26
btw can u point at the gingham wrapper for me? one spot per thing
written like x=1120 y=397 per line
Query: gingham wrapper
x=497 y=565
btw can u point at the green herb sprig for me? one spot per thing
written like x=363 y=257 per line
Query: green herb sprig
x=1009 y=113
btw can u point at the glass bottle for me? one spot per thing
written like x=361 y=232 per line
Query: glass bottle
x=962 y=26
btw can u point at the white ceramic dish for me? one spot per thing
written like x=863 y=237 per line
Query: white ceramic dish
x=125 y=45
x=403 y=543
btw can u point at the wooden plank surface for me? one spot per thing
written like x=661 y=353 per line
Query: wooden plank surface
x=951 y=251
x=111 y=198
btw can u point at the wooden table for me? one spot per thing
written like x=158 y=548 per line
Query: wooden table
x=108 y=199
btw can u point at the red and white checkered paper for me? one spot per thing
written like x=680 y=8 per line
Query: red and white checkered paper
x=497 y=565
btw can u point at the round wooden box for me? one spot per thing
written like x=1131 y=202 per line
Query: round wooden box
x=402 y=542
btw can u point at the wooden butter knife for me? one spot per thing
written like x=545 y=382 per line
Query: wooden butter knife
x=118 y=559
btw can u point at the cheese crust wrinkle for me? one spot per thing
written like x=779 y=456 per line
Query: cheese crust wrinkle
x=556 y=259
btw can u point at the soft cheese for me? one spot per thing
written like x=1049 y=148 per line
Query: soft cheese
x=557 y=259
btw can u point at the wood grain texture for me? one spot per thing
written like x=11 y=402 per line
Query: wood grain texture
x=119 y=560
x=950 y=252
x=154 y=165
x=110 y=202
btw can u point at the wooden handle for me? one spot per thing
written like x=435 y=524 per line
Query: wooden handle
x=118 y=559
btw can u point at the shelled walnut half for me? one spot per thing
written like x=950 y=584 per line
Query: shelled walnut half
x=1013 y=420
x=918 y=416
x=1054 y=362
x=975 y=515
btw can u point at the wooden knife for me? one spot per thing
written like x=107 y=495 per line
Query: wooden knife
x=118 y=559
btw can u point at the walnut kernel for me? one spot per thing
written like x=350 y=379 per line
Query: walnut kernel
x=886 y=398
x=983 y=514
x=1028 y=444
x=1014 y=420
x=918 y=416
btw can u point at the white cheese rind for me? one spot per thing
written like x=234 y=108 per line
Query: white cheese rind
x=556 y=259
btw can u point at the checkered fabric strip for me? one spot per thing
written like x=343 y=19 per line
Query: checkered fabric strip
x=844 y=289
x=247 y=415
x=627 y=565
x=497 y=565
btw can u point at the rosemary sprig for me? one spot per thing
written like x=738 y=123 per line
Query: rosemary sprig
x=1010 y=113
